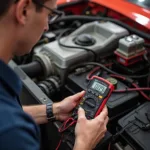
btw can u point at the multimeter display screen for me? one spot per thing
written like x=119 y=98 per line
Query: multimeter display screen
x=99 y=87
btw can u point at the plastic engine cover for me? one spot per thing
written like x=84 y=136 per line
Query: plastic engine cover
x=105 y=38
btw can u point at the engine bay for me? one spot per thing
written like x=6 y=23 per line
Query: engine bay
x=93 y=40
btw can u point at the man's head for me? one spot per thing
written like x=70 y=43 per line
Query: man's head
x=26 y=20
x=4 y=5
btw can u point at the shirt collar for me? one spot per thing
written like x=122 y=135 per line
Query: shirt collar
x=10 y=78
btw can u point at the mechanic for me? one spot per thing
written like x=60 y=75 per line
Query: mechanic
x=22 y=23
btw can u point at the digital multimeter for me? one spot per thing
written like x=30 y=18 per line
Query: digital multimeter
x=95 y=97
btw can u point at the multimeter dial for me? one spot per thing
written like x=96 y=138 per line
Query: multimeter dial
x=89 y=102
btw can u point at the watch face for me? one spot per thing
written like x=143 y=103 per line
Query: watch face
x=142 y=3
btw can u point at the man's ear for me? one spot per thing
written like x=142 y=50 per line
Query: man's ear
x=23 y=8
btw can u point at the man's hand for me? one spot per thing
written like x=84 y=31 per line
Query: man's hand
x=62 y=110
x=90 y=132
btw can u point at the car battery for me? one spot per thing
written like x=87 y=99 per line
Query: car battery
x=118 y=103
x=136 y=127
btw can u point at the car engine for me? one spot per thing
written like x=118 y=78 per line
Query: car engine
x=75 y=48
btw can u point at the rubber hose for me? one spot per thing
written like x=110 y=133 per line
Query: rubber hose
x=32 y=69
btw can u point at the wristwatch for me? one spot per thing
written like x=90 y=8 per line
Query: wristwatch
x=49 y=112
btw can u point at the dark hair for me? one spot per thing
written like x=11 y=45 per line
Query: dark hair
x=5 y=5
x=38 y=4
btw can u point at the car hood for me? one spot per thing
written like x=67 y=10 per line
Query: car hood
x=137 y=10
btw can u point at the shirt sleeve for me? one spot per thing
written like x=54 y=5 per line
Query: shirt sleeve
x=20 y=138
x=18 y=131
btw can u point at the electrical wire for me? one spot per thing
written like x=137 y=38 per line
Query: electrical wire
x=120 y=77
x=146 y=58
x=132 y=89
x=93 y=18
x=108 y=70
x=133 y=84
x=59 y=144
x=129 y=124
x=148 y=61
x=88 y=77
x=142 y=93
x=119 y=133
x=64 y=127
x=109 y=146
x=73 y=47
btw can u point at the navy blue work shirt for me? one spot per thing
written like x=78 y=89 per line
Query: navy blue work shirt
x=18 y=131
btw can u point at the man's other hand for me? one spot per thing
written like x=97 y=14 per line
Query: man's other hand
x=90 y=132
x=62 y=110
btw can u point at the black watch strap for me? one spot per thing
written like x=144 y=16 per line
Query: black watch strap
x=49 y=112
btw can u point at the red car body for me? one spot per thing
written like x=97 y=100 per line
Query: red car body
x=136 y=13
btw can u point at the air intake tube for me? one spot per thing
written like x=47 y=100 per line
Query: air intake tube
x=41 y=66
x=32 y=69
